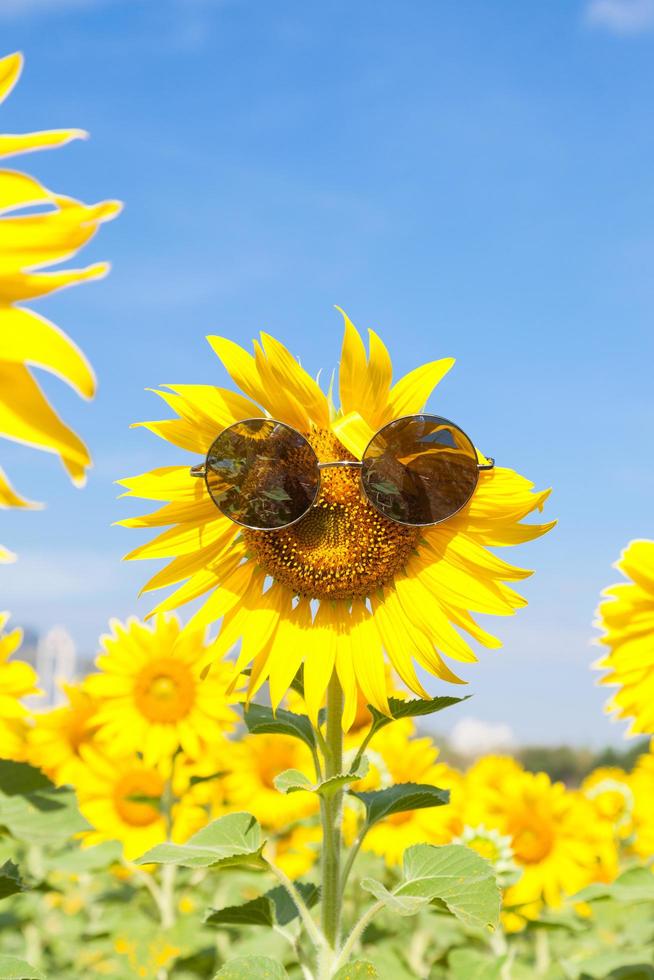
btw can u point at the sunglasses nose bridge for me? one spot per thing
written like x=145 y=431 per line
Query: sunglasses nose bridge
x=340 y=462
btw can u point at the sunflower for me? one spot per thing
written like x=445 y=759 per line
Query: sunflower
x=556 y=839
x=642 y=785
x=609 y=788
x=17 y=681
x=151 y=695
x=365 y=584
x=124 y=799
x=56 y=736
x=627 y=618
x=29 y=242
x=254 y=763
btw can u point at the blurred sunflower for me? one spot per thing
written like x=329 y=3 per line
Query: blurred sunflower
x=366 y=584
x=254 y=763
x=627 y=618
x=125 y=800
x=642 y=784
x=151 y=695
x=57 y=735
x=556 y=840
x=296 y=852
x=17 y=681
x=30 y=242
x=609 y=789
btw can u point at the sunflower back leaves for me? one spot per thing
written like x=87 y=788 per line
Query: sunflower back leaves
x=10 y=880
x=400 y=798
x=359 y=970
x=452 y=876
x=275 y=908
x=224 y=843
x=11 y=968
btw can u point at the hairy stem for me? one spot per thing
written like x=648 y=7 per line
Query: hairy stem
x=332 y=808
x=313 y=931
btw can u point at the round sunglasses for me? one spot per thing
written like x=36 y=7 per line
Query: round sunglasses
x=418 y=470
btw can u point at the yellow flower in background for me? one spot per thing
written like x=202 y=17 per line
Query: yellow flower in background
x=556 y=840
x=151 y=695
x=642 y=784
x=296 y=852
x=30 y=242
x=254 y=763
x=367 y=585
x=609 y=789
x=114 y=795
x=17 y=681
x=626 y=616
x=56 y=736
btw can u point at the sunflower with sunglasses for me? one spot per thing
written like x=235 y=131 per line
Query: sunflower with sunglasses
x=327 y=538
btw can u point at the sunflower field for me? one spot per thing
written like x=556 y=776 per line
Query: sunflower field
x=248 y=790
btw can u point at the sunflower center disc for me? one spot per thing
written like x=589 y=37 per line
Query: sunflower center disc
x=342 y=547
x=131 y=794
x=165 y=690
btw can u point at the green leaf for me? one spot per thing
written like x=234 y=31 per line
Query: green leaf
x=48 y=816
x=469 y=964
x=10 y=880
x=252 y=968
x=359 y=970
x=413 y=708
x=402 y=905
x=455 y=875
x=276 y=907
x=11 y=968
x=383 y=803
x=231 y=840
x=634 y=885
x=260 y=720
x=292 y=781
x=196 y=780
x=79 y=860
x=19 y=778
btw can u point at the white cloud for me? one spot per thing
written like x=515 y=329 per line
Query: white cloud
x=621 y=16
x=471 y=737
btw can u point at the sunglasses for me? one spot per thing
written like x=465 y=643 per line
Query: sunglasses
x=418 y=470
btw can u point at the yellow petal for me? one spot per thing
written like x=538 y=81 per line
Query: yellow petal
x=45 y=140
x=24 y=286
x=27 y=417
x=9 y=497
x=27 y=338
x=6 y=556
x=368 y=658
x=282 y=404
x=354 y=432
x=292 y=639
x=294 y=379
x=164 y=483
x=352 y=371
x=10 y=68
x=241 y=367
x=18 y=190
x=319 y=662
x=396 y=645
x=409 y=395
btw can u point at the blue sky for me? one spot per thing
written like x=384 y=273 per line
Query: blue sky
x=470 y=179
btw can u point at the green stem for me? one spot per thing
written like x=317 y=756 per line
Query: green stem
x=355 y=935
x=312 y=929
x=354 y=850
x=332 y=812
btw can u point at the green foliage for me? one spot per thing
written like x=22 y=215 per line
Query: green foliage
x=413 y=708
x=292 y=781
x=261 y=720
x=359 y=970
x=274 y=908
x=452 y=875
x=633 y=885
x=11 y=968
x=470 y=964
x=252 y=968
x=400 y=798
x=32 y=809
x=10 y=880
x=224 y=843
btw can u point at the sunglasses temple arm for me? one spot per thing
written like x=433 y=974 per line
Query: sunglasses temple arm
x=489 y=465
x=198 y=471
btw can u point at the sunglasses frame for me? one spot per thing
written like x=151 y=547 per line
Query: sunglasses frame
x=200 y=469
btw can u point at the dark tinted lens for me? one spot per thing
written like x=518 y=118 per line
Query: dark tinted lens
x=420 y=470
x=262 y=474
